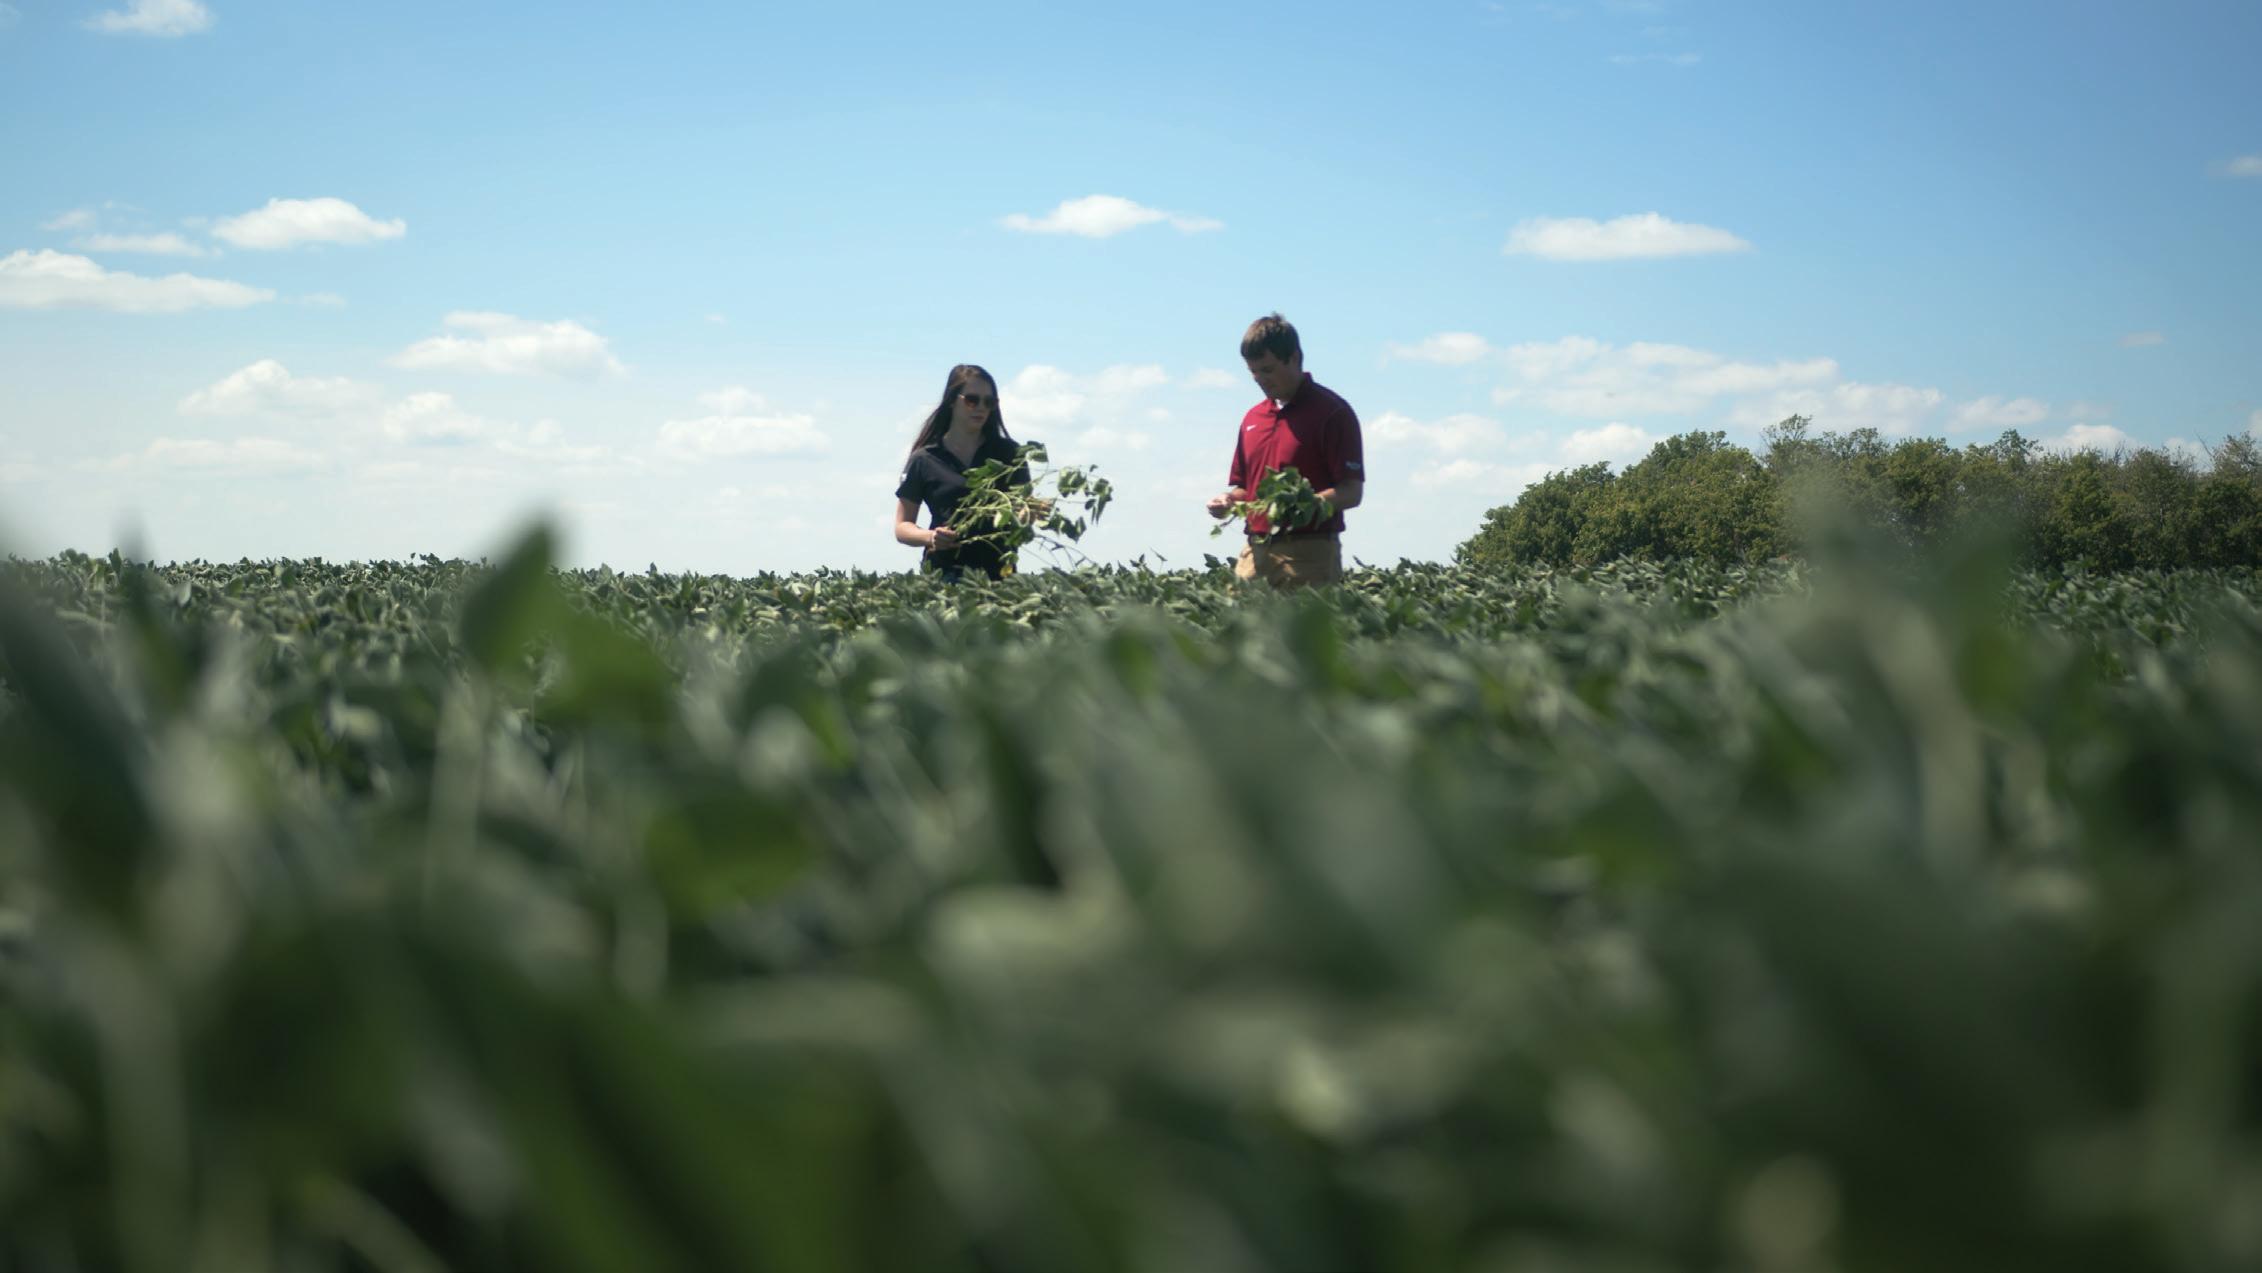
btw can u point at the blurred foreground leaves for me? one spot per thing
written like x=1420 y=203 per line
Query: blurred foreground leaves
x=1636 y=918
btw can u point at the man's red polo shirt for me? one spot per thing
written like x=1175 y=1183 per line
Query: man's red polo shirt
x=1317 y=434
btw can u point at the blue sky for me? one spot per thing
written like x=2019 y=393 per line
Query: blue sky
x=369 y=281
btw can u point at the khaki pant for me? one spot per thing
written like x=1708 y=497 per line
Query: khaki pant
x=1293 y=561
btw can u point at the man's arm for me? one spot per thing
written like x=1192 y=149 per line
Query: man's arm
x=1236 y=486
x=1345 y=494
x=1350 y=454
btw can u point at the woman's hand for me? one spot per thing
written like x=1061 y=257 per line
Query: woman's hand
x=942 y=538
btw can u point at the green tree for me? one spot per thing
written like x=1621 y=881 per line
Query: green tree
x=1696 y=496
x=1544 y=522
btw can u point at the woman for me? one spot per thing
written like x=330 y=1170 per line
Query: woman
x=965 y=429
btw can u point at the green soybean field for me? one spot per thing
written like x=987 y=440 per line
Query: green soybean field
x=1862 y=914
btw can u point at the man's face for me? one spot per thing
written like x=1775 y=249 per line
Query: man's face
x=1279 y=380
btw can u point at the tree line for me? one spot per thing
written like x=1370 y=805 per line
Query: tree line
x=1699 y=496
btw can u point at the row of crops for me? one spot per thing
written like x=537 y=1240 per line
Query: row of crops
x=1849 y=916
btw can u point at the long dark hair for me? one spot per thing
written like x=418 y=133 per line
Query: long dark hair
x=938 y=420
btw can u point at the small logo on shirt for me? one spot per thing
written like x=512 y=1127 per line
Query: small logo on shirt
x=1353 y=465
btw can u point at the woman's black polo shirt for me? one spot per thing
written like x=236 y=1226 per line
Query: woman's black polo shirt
x=934 y=477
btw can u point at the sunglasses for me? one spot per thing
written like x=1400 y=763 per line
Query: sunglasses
x=977 y=399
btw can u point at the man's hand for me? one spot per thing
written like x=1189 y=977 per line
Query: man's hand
x=1221 y=506
x=942 y=538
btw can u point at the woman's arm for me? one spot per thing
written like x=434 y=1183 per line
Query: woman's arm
x=908 y=530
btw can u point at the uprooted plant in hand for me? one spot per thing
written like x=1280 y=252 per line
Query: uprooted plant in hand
x=1013 y=503
x=1285 y=499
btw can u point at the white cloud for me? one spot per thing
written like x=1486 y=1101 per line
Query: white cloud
x=286 y=223
x=1451 y=349
x=326 y=300
x=508 y=345
x=1996 y=413
x=1841 y=408
x=2141 y=340
x=1624 y=238
x=2243 y=166
x=2089 y=410
x=1480 y=475
x=433 y=418
x=735 y=400
x=2254 y=424
x=2194 y=453
x=1537 y=360
x=1129 y=378
x=2091 y=437
x=166 y=244
x=154 y=17
x=718 y=320
x=739 y=425
x=58 y=280
x=1452 y=435
x=1581 y=377
x=75 y=219
x=1106 y=438
x=246 y=457
x=1215 y=378
x=1617 y=443
x=1041 y=397
x=268 y=387
x=1100 y=216
x=1620 y=444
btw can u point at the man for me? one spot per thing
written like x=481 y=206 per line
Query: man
x=1301 y=425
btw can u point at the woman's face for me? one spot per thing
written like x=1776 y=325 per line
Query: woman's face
x=973 y=404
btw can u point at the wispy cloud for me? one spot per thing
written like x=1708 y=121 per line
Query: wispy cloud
x=168 y=243
x=1999 y=413
x=287 y=223
x=2091 y=437
x=231 y=457
x=59 y=280
x=509 y=345
x=1579 y=376
x=740 y=423
x=433 y=418
x=1531 y=457
x=1451 y=349
x=1044 y=397
x=1452 y=435
x=165 y=18
x=1645 y=235
x=267 y=387
x=1101 y=216
x=2243 y=166
x=2141 y=340
x=1895 y=410
x=1215 y=378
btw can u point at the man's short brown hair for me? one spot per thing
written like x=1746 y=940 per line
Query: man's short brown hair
x=1273 y=335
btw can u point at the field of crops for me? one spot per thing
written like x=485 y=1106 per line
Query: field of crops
x=1846 y=917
